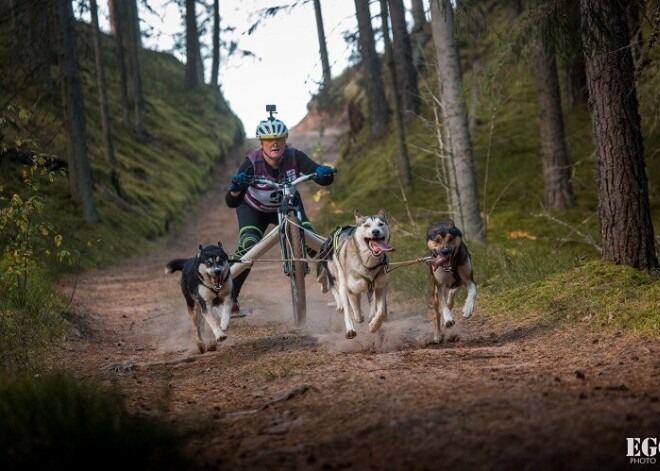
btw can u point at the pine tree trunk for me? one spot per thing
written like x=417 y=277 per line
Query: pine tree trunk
x=215 y=64
x=403 y=60
x=573 y=74
x=134 y=47
x=80 y=176
x=404 y=159
x=419 y=34
x=626 y=227
x=194 y=68
x=372 y=78
x=323 y=48
x=118 y=21
x=465 y=203
x=556 y=165
x=103 y=97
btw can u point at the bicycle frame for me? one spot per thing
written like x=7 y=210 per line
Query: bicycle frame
x=293 y=238
x=312 y=240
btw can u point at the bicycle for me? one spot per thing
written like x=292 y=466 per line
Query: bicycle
x=293 y=238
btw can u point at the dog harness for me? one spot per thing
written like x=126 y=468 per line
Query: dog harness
x=263 y=197
x=340 y=235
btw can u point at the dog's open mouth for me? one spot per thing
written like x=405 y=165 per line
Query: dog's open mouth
x=441 y=261
x=378 y=246
x=217 y=281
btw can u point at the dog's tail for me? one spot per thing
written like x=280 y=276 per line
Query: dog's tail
x=175 y=265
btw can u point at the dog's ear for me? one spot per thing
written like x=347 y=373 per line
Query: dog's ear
x=219 y=244
x=199 y=252
x=357 y=215
x=456 y=232
x=381 y=213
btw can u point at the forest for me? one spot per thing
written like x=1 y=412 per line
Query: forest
x=533 y=125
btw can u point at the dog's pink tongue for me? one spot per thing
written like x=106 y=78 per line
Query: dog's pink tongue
x=438 y=261
x=380 y=246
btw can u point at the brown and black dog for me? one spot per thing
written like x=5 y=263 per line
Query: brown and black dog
x=451 y=267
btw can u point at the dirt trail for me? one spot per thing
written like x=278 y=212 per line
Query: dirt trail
x=272 y=397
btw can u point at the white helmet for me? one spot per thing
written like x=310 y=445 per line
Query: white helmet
x=271 y=128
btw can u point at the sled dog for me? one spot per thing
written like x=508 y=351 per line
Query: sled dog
x=206 y=284
x=450 y=267
x=354 y=261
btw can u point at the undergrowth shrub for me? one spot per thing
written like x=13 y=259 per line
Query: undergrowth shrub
x=30 y=310
x=54 y=422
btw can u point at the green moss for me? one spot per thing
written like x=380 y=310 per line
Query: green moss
x=613 y=297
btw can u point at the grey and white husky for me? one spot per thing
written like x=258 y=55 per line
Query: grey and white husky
x=206 y=284
x=354 y=261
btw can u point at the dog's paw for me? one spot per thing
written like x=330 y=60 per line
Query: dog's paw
x=221 y=338
x=359 y=318
x=351 y=334
x=375 y=324
x=450 y=323
x=467 y=315
x=202 y=347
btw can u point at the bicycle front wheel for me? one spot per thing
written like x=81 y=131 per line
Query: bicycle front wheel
x=296 y=252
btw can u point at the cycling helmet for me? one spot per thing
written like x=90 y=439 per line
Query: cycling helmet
x=272 y=128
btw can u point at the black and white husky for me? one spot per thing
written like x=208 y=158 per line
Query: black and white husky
x=206 y=284
x=354 y=261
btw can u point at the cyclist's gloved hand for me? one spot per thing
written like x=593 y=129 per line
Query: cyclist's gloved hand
x=240 y=182
x=324 y=171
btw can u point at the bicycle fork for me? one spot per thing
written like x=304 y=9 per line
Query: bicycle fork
x=285 y=242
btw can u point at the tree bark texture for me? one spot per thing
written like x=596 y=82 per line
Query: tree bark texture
x=194 y=68
x=626 y=228
x=133 y=49
x=126 y=22
x=404 y=160
x=406 y=73
x=118 y=23
x=215 y=63
x=371 y=70
x=102 y=87
x=419 y=34
x=80 y=172
x=465 y=202
x=556 y=165
x=323 y=48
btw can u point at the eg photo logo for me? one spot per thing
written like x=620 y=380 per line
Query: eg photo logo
x=643 y=450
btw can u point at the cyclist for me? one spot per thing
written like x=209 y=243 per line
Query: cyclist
x=256 y=205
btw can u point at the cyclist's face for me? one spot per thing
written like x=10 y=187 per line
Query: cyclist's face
x=273 y=149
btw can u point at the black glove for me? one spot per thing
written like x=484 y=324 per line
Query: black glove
x=240 y=182
x=324 y=171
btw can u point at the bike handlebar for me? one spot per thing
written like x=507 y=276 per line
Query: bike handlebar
x=285 y=184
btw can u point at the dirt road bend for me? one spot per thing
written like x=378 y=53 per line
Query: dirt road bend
x=272 y=397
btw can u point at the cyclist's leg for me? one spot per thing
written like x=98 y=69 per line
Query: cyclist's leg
x=252 y=225
x=307 y=225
